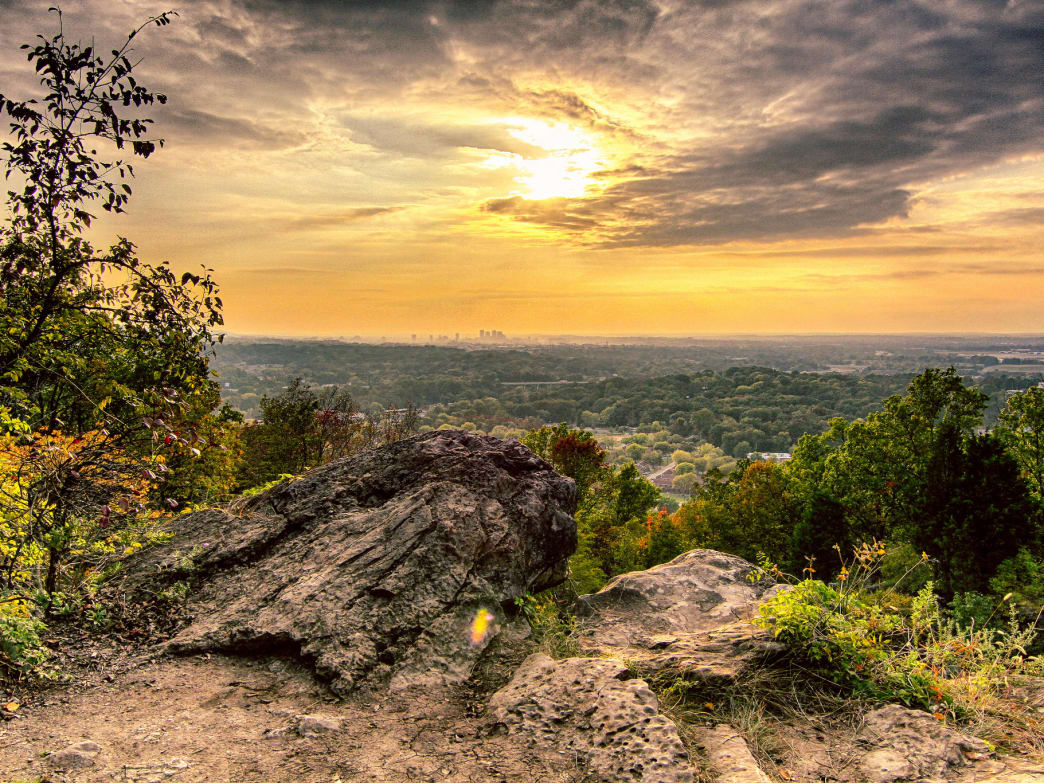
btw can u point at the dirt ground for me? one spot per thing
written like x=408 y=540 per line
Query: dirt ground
x=232 y=719
x=223 y=719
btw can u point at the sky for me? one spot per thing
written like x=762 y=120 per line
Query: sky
x=588 y=166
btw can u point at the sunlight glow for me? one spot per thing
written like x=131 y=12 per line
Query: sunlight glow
x=566 y=170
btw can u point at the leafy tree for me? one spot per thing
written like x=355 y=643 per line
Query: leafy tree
x=60 y=297
x=286 y=437
x=762 y=517
x=203 y=462
x=102 y=356
x=664 y=540
x=301 y=428
x=915 y=473
x=685 y=483
x=573 y=453
x=55 y=496
x=632 y=494
x=976 y=512
x=878 y=467
x=821 y=527
x=610 y=524
x=1021 y=427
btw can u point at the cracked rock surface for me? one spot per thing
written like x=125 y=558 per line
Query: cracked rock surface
x=590 y=706
x=372 y=569
x=911 y=744
x=729 y=756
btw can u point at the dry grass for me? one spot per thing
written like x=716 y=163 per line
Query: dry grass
x=774 y=707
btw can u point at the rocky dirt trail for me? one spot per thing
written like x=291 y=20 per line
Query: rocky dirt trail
x=216 y=718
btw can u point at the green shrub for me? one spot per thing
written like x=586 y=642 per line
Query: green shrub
x=920 y=658
x=842 y=636
x=554 y=630
x=21 y=651
x=972 y=610
x=1023 y=577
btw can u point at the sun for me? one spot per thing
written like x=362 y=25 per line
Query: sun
x=565 y=171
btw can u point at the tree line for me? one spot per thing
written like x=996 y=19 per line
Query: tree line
x=920 y=477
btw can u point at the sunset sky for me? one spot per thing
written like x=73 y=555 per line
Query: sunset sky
x=591 y=166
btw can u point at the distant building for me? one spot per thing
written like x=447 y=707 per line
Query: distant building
x=644 y=467
x=1012 y=392
x=664 y=480
x=769 y=456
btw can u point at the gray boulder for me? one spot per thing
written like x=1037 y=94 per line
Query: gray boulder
x=380 y=569
x=80 y=755
x=909 y=744
x=691 y=615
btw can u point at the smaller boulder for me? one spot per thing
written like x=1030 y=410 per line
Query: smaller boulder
x=910 y=744
x=77 y=756
x=691 y=615
x=729 y=757
x=314 y=725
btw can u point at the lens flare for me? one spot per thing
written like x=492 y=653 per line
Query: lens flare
x=481 y=627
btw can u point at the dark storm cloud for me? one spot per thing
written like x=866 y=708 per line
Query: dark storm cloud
x=400 y=38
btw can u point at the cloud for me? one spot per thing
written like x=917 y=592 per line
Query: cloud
x=829 y=116
x=1015 y=217
x=903 y=275
x=418 y=138
x=284 y=271
x=340 y=218
x=728 y=120
x=194 y=126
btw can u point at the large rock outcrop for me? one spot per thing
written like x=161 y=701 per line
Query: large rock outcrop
x=394 y=566
x=691 y=616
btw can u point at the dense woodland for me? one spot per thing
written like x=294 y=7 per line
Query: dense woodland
x=394 y=376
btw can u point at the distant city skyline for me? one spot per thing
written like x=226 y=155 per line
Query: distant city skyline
x=606 y=167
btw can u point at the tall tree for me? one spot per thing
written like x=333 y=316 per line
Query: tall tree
x=877 y=468
x=101 y=354
x=1021 y=427
x=976 y=511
